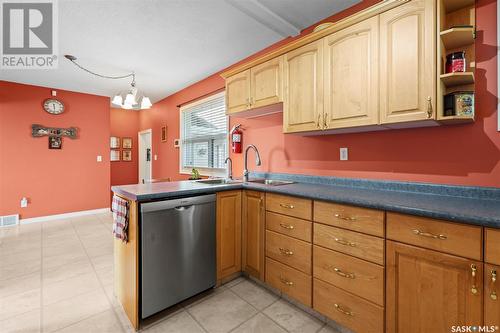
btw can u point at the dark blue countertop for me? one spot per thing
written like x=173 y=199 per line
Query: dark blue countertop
x=471 y=205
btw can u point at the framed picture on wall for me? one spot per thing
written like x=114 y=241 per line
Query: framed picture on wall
x=114 y=142
x=164 y=133
x=55 y=142
x=126 y=155
x=127 y=143
x=114 y=155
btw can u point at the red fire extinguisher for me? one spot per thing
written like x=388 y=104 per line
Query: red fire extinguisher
x=236 y=138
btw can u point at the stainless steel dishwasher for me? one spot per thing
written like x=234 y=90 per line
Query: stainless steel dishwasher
x=177 y=251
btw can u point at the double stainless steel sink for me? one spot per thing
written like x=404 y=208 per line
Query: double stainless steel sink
x=224 y=181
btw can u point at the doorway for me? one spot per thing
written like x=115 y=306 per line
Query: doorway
x=145 y=159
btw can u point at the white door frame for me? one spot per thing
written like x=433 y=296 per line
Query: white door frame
x=139 y=147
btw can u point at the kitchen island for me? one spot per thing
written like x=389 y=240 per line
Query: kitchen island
x=368 y=211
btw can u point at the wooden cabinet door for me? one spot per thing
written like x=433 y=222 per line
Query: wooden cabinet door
x=253 y=233
x=266 y=83
x=491 y=295
x=429 y=291
x=351 y=76
x=408 y=62
x=238 y=92
x=303 y=80
x=228 y=233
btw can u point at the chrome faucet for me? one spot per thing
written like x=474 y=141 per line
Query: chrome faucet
x=257 y=161
x=230 y=174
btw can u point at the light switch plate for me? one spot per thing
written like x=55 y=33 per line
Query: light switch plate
x=99 y=158
x=344 y=154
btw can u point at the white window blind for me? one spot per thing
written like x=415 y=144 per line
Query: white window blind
x=204 y=136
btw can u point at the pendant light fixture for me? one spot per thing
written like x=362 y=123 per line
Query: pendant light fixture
x=131 y=99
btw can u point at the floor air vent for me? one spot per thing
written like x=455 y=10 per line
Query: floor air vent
x=9 y=220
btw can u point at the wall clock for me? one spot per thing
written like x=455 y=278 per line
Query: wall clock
x=53 y=106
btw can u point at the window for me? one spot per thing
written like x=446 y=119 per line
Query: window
x=204 y=127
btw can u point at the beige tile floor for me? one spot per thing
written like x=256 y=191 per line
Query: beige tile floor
x=57 y=276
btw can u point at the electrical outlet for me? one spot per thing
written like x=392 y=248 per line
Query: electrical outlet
x=344 y=154
x=156 y=157
x=99 y=158
x=24 y=202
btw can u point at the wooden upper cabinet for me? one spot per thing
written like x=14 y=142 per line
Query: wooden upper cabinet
x=351 y=76
x=253 y=233
x=237 y=92
x=429 y=291
x=228 y=234
x=266 y=83
x=303 y=80
x=408 y=62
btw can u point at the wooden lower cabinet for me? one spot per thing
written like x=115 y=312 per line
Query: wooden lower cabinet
x=228 y=234
x=288 y=280
x=491 y=295
x=253 y=233
x=429 y=291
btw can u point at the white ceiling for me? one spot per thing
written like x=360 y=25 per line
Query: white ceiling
x=170 y=44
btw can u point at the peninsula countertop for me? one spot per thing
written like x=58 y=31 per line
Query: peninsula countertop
x=483 y=210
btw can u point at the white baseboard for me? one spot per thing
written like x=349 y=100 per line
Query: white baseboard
x=65 y=215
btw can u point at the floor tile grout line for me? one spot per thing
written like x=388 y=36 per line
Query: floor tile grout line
x=246 y=321
x=196 y=321
x=124 y=329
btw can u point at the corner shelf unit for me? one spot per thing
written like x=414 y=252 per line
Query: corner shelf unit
x=456 y=32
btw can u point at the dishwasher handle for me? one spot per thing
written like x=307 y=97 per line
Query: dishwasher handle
x=183 y=208
x=175 y=203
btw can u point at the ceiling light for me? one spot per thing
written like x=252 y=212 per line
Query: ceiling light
x=132 y=96
x=146 y=103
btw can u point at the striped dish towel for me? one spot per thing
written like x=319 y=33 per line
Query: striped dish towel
x=120 y=218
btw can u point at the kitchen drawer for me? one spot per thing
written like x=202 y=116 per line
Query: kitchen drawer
x=292 y=206
x=290 y=226
x=349 y=242
x=289 y=281
x=492 y=246
x=356 y=276
x=368 y=221
x=290 y=251
x=458 y=239
x=346 y=309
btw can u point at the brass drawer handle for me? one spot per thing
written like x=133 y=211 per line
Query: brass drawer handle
x=345 y=218
x=473 y=289
x=428 y=234
x=287 y=206
x=285 y=252
x=340 y=309
x=493 y=293
x=344 y=242
x=345 y=275
x=287 y=226
x=286 y=282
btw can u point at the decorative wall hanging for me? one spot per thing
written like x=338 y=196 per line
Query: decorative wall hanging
x=126 y=155
x=127 y=143
x=164 y=134
x=40 y=130
x=114 y=155
x=55 y=142
x=114 y=142
x=55 y=134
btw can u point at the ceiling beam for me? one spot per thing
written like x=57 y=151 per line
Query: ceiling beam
x=266 y=17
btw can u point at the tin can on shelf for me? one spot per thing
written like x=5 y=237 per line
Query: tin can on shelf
x=460 y=103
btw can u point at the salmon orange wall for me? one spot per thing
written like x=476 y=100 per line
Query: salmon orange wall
x=125 y=123
x=55 y=181
x=463 y=154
